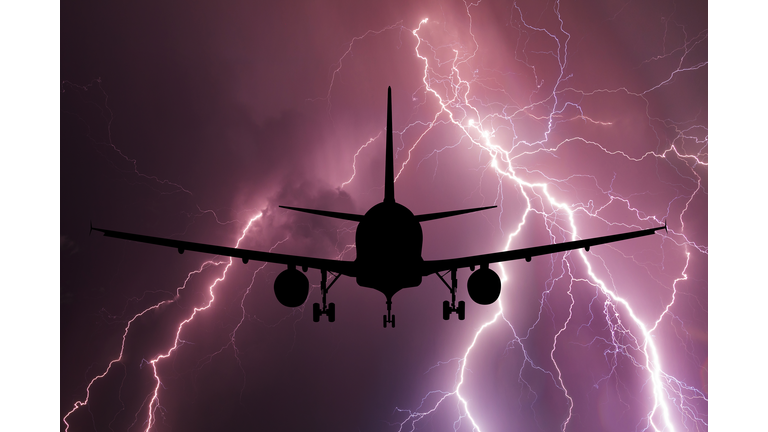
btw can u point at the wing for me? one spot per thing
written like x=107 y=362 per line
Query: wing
x=430 y=267
x=347 y=268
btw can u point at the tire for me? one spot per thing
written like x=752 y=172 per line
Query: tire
x=385 y=321
x=331 y=312
x=446 y=310
x=460 y=310
x=316 y=312
x=393 y=321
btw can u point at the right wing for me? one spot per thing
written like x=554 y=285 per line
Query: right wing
x=346 y=268
x=430 y=267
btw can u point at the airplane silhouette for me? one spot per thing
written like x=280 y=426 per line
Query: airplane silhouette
x=388 y=242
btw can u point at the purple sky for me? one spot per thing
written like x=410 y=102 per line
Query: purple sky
x=187 y=121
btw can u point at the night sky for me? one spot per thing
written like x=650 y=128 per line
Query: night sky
x=194 y=121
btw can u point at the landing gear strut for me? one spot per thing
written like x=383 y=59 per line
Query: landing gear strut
x=450 y=307
x=330 y=308
x=389 y=318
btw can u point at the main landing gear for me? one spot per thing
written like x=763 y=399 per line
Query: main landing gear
x=450 y=307
x=389 y=318
x=330 y=309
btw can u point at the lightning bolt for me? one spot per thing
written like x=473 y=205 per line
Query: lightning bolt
x=123 y=163
x=154 y=403
x=478 y=123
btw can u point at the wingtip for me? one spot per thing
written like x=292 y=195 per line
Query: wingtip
x=663 y=226
x=92 y=229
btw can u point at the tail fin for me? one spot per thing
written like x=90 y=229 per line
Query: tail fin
x=389 y=175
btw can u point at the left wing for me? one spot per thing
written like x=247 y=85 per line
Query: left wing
x=430 y=267
x=346 y=268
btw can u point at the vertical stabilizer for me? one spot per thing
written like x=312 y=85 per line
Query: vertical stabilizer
x=389 y=175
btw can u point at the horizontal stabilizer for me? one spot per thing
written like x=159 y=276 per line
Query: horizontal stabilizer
x=337 y=215
x=433 y=216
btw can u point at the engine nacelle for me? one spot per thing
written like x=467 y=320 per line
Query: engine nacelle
x=484 y=286
x=291 y=288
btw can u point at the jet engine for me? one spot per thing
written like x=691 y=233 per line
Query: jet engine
x=484 y=286
x=291 y=288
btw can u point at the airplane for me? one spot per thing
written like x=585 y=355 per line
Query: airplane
x=388 y=242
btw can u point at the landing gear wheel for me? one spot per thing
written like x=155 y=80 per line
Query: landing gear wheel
x=331 y=312
x=316 y=312
x=446 y=310
x=390 y=320
x=460 y=310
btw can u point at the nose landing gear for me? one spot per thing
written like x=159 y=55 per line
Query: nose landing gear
x=389 y=318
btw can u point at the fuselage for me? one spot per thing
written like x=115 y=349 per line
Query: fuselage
x=389 y=241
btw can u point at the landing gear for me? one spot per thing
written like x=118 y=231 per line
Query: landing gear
x=329 y=309
x=459 y=310
x=450 y=307
x=389 y=318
